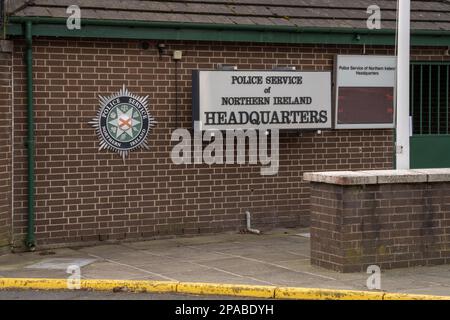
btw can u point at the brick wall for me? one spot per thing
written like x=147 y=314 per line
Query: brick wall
x=5 y=143
x=83 y=194
x=389 y=225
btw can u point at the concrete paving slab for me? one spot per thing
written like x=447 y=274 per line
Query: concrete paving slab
x=299 y=264
x=263 y=249
x=156 y=265
x=244 y=251
x=21 y=260
x=193 y=254
x=441 y=279
x=225 y=237
x=152 y=244
x=16 y=261
x=291 y=279
x=107 y=250
x=131 y=257
x=27 y=273
x=434 y=290
x=442 y=271
x=108 y=270
x=59 y=263
x=269 y=256
x=216 y=276
x=175 y=266
x=405 y=285
x=241 y=266
x=223 y=246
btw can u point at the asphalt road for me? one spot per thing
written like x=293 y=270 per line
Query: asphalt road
x=89 y=295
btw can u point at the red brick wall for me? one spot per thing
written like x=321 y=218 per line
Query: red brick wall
x=389 y=225
x=83 y=194
x=5 y=146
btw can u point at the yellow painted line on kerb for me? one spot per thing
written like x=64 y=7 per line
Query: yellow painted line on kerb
x=326 y=294
x=404 y=296
x=88 y=284
x=218 y=289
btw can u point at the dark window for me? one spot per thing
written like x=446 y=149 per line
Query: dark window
x=429 y=106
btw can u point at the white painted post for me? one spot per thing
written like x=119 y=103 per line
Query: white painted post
x=402 y=96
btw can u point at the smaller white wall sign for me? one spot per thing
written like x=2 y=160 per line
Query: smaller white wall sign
x=365 y=91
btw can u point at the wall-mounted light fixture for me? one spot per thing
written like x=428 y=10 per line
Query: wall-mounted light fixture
x=161 y=48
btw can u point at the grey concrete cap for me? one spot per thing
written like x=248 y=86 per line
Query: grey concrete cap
x=341 y=177
x=379 y=176
x=436 y=175
x=398 y=176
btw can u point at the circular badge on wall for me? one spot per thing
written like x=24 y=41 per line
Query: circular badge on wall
x=123 y=122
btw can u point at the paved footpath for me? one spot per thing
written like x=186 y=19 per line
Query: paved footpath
x=279 y=257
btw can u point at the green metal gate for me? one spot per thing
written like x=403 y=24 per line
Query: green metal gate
x=429 y=109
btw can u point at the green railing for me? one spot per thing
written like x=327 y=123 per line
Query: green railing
x=430 y=96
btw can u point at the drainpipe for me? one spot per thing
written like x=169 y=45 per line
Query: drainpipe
x=249 y=225
x=30 y=240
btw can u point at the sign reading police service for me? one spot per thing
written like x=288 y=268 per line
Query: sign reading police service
x=123 y=122
x=261 y=99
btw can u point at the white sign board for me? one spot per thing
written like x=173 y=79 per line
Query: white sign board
x=365 y=89
x=261 y=99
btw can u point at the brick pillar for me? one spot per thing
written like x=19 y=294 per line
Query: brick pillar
x=388 y=218
x=5 y=144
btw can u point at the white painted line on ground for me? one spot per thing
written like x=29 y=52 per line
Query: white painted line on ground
x=277 y=265
x=132 y=267
x=59 y=263
x=205 y=266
